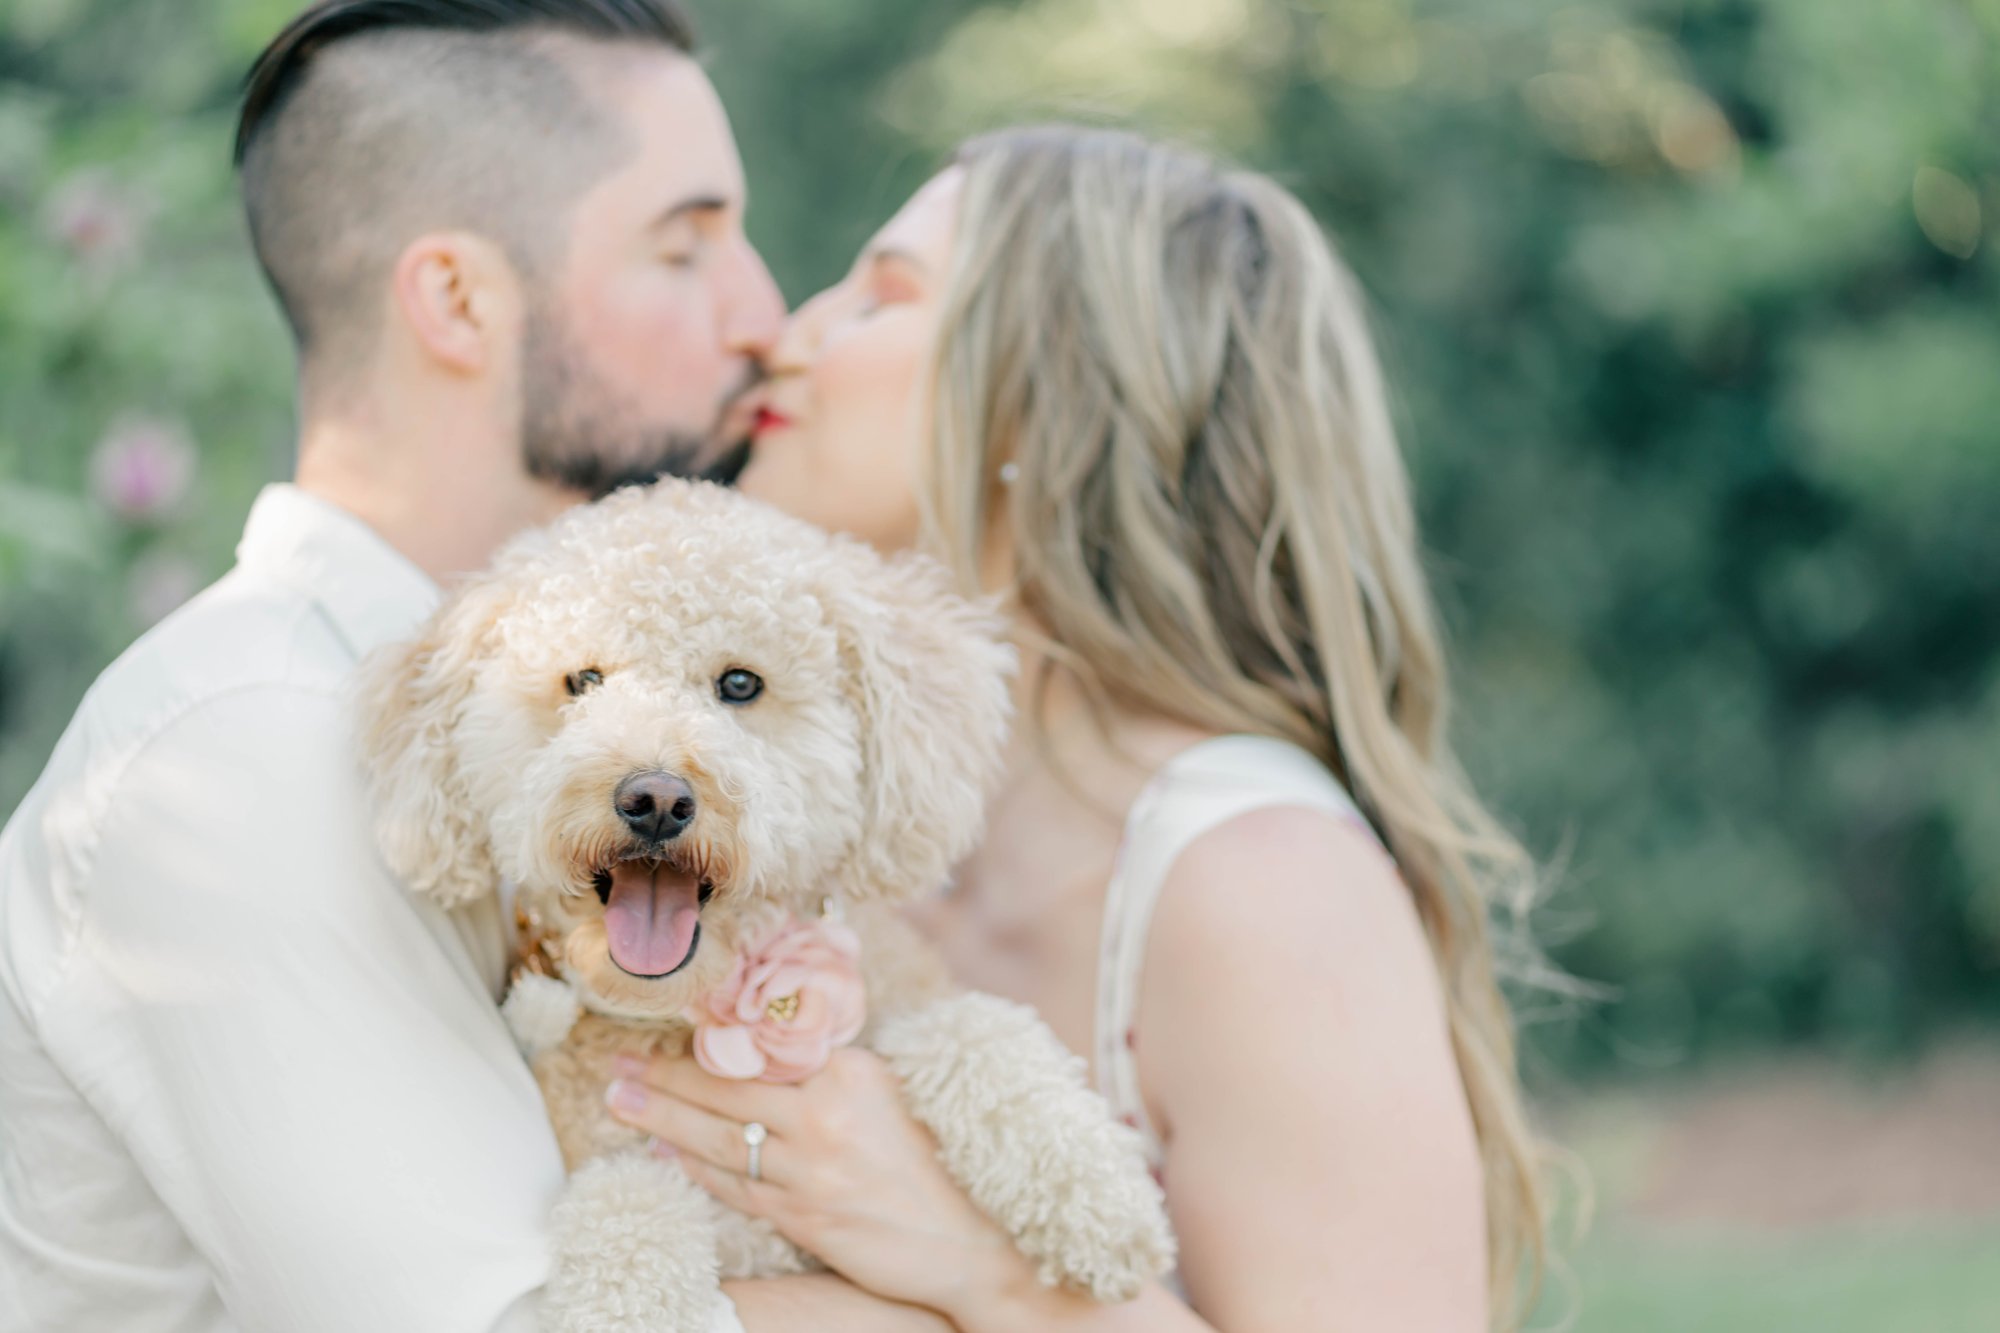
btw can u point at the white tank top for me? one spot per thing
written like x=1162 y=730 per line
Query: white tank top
x=1197 y=790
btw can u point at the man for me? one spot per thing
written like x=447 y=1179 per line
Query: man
x=246 y=1082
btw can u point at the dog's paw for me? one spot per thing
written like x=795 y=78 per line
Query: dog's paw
x=539 y=1011
x=1033 y=1146
x=634 y=1252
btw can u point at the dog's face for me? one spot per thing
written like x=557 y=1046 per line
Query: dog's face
x=674 y=711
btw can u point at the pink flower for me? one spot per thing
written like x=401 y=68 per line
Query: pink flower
x=141 y=468
x=97 y=219
x=791 y=998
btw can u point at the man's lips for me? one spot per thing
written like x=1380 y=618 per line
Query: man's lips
x=738 y=416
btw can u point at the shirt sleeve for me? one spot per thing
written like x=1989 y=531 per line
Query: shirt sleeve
x=301 y=1056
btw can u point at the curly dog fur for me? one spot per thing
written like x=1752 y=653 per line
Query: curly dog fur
x=596 y=649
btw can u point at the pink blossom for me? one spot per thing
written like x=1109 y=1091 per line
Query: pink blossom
x=141 y=468
x=97 y=220
x=791 y=998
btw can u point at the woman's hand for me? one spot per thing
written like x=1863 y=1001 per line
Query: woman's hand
x=845 y=1174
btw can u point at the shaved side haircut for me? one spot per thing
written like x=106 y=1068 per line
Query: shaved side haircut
x=368 y=123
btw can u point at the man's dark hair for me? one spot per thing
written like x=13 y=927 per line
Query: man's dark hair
x=368 y=122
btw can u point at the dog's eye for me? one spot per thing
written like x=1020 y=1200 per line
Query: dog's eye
x=587 y=679
x=739 y=686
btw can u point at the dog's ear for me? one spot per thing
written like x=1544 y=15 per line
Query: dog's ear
x=927 y=673
x=412 y=699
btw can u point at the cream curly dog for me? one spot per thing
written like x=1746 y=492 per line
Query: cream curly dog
x=671 y=719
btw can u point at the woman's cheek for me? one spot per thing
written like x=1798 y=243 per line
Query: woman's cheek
x=877 y=499
x=864 y=398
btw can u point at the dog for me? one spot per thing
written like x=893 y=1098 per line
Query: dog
x=684 y=726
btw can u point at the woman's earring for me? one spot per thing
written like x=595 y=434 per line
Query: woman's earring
x=1009 y=473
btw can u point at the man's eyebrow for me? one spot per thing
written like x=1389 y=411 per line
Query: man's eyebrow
x=701 y=203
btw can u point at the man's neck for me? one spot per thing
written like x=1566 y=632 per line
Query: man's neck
x=446 y=511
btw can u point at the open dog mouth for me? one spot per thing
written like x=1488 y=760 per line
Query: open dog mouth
x=652 y=914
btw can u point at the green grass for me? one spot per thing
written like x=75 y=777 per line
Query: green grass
x=1933 y=1277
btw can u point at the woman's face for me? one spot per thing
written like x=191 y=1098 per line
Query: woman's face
x=849 y=399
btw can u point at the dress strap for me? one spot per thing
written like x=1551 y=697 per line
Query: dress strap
x=1199 y=789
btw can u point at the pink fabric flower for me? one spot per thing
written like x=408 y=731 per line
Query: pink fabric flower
x=791 y=998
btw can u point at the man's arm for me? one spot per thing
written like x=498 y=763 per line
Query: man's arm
x=299 y=1054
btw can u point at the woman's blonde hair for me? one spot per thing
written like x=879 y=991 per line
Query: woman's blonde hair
x=1210 y=520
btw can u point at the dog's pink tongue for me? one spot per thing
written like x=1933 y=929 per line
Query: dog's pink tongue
x=650 y=917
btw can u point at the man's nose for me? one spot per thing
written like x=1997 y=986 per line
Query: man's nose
x=756 y=308
x=655 y=806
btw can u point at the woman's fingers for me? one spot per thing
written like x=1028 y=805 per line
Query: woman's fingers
x=755 y=1197
x=774 y=1105
x=695 y=1132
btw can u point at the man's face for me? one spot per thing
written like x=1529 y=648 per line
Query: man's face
x=645 y=333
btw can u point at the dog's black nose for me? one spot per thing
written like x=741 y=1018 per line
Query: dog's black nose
x=655 y=806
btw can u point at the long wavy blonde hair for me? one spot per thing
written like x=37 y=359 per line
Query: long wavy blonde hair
x=1210 y=520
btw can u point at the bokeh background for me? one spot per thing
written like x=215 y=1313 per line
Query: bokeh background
x=1694 y=311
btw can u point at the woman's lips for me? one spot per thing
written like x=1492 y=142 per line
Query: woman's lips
x=768 y=420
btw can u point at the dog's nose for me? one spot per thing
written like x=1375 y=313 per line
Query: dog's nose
x=655 y=806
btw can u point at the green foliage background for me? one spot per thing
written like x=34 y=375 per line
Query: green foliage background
x=1694 y=310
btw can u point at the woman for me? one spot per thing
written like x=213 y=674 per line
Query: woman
x=1134 y=393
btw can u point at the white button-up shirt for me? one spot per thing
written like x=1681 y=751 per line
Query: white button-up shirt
x=247 y=1082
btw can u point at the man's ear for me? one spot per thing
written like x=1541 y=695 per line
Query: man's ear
x=927 y=674
x=459 y=298
x=412 y=699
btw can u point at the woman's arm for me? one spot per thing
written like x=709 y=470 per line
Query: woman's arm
x=824 y=1303
x=1322 y=1169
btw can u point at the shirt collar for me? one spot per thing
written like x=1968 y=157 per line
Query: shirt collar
x=370 y=593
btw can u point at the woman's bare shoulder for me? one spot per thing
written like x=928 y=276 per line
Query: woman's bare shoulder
x=1292 y=914
x=1287 y=885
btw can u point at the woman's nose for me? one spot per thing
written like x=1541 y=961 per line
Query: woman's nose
x=798 y=341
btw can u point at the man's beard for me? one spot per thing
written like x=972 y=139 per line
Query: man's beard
x=573 y=434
